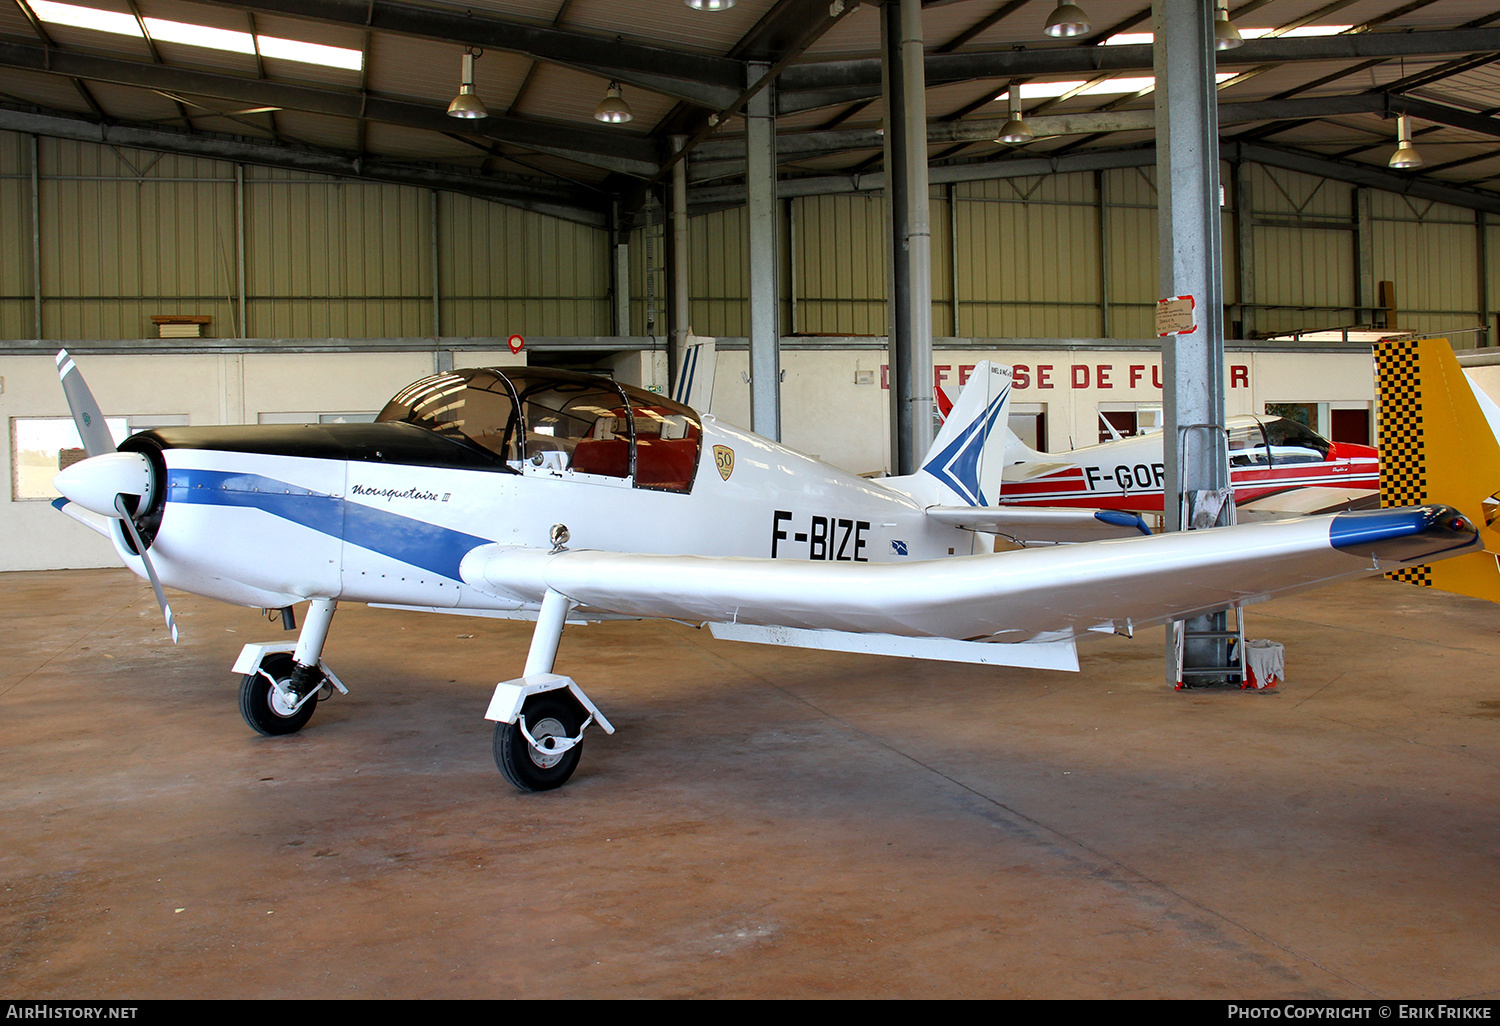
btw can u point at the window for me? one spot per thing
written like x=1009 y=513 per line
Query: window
x=361 y=417
x=41 y=446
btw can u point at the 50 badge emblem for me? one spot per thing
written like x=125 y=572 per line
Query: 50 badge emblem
x=724 y=460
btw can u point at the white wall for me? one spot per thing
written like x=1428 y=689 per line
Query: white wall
x=824 y=411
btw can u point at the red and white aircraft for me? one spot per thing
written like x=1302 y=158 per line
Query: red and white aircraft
x=1276 y=467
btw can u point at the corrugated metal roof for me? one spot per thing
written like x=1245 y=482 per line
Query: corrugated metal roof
x=542 y=99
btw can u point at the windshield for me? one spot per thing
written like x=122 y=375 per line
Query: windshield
x=475 y=405
x=1293 y=443
x=566 y=422
x=1247 y=446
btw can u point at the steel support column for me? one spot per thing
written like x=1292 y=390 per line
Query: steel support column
x=1364 y=256
x=765 y=291
x=619 y=270
x=910 y=274
x=36 y=239
x=1105 y=245
x=1482 y=254
x=437 y=290
x=239 y=248
x=1191 y=258
x=1244 y=235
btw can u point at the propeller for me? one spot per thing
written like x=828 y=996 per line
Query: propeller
x=107 y=481
x=91 y=426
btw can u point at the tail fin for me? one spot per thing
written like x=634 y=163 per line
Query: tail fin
x=1438 y=445
x=968 y=457
x=695 y=373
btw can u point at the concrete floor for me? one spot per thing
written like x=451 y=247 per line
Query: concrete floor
x=766 y=823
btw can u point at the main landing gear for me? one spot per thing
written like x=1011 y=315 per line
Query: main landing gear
x=541 y=716
x=284 y=683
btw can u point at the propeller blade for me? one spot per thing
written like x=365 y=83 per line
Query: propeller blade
x=91 y=426
x=140 y=546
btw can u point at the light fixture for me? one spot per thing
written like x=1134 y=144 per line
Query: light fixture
x=1226 y=36
x=467 y=103
x=1016 y=130
x=709 y=5
x=1406 y=155
x=1066 y=21
x=613 y=110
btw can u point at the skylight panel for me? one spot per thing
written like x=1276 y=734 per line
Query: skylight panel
x=197 y=35
x=1139 y=38
x=311 y=53
x=85 y=17
x=1134 y=84
x=164 y=31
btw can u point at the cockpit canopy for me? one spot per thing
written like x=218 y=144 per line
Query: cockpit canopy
x=1273 y=441
x=559 y=420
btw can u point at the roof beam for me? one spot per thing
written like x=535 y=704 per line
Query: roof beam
x=698 y=78
x=612 y=150
x=720 y=196
x=808 y=86
x=1356 y=173
x=569 y=204
x=720 y=157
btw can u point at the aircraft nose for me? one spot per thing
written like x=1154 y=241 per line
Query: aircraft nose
x=93 y=483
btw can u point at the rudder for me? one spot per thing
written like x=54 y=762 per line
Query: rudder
x=1436 y=445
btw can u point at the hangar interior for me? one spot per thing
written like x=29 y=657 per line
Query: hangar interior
x=239 y=213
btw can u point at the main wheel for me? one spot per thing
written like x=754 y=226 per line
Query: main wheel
x=265 y=708
x=548 y=716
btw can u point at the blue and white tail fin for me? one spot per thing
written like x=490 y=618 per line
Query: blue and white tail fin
x=965 y=464
x=695 y=373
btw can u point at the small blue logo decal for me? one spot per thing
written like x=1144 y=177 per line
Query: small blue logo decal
x=898 y=547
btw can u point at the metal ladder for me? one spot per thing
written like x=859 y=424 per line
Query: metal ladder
x=1233 y=667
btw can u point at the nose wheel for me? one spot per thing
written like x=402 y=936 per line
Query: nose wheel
x=540 y=750
x=270 y=710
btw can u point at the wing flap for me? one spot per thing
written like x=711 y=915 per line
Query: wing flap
x=1027 y=524
x=1031 y=594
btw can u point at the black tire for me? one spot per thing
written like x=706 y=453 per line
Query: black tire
x=259 y=701
x=547 y=715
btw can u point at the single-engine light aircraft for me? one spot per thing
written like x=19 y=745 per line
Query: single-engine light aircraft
x=561 y=497
x=1277 y=467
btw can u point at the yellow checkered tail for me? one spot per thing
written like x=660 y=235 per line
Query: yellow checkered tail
x=1437 y=446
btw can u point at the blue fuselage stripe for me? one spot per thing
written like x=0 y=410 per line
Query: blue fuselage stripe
x=416 y=542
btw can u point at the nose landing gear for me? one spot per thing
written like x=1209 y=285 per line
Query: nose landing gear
x=284 y=683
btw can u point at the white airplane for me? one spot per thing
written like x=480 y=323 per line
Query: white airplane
x=560 y=497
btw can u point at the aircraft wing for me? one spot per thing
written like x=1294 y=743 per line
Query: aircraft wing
x=1032 y=524
x=1298 y=502
x=1046 y=594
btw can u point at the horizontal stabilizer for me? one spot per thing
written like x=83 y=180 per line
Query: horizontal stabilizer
x=87 y=517
x=1029 y=471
